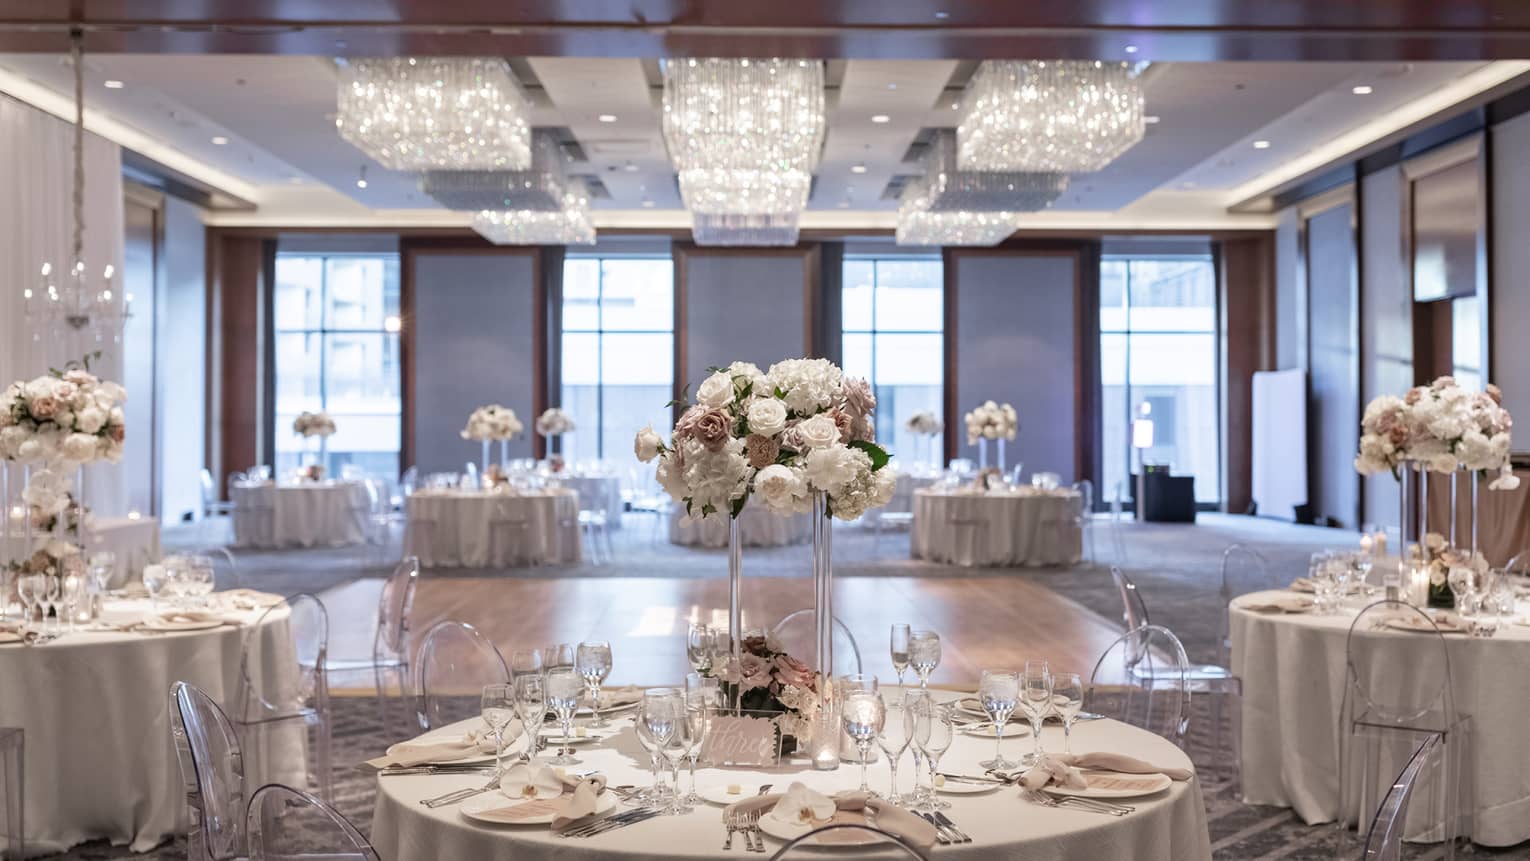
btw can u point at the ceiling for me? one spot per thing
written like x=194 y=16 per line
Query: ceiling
x=1199 y=159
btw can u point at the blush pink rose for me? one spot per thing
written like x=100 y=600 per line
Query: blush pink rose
x=44 y=407
x=792 y=671
x=761 y=450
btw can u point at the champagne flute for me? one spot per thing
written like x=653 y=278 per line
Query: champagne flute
x=593 y=661
x=701 y=705
x=681 y=743
x=656 y=726
x=698 y=648
x=924 y=655
x=1067 y=699
x=897 y=732
x=863 y=717
x=934 y=728
x=497 y=706
x=1036 y=702
x=898 y=647
x=531 y=707
x=998 y=691
x=563 y=689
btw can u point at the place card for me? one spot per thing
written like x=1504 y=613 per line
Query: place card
x=741 y=740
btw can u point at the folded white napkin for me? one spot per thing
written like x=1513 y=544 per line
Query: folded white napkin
x=1278 y=604
x=850 y=807
x=803 y=805
x=1053 y=771
x=1058 y=768
x=530 y=780
x=581 y=800
x=437 y=747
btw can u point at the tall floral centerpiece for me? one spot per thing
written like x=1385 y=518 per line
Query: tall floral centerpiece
x=553 y=423
x=991 y=421
x=317 y=426
x=926 y=426
x=493 y=423
x=801 y=436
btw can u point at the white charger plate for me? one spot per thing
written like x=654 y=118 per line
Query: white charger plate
x=155 y=622
x=784 y=830
x=1110 y=784
x=478 y=809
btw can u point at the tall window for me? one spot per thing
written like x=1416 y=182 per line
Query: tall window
x=1158 y=347
x=618 y=348
x=337 y=350
x=893 y=316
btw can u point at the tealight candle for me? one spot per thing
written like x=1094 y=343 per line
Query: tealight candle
x=134 y=515
x=1366 y=544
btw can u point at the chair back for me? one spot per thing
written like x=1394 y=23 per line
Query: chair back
x=1085 y=489
x=209 y=488
x=1244 y=570
x=296 y=630
x=1519 y=566
x=286 y=823
x=849 y=840
x=212 y=772
x=1377 y=631
x=1142 y=679
x=797 y=637
x=407 y=483
x=1134 y=612
x=1383 y=842
x=455 y=662
x=395 y=607
x=225 y=568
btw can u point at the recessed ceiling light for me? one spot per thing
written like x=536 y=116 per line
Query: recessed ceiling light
x=361 y=178
x=942 y=15
x=113 y=85
x=1362 y=90
x=881 y=118
x=1261 y=144
x=607 y=118
x=857 y=168
x=1151 y=119
x=1131 y=49
x=220 y=140
x=648 y=204
x=630 y=167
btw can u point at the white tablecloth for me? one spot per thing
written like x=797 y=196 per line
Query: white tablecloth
x=758 y=527
x=1293 y=671
x=478 y=529
x=134 y=541
x=100 y=762
x=1170 y=825
x=1019 y=527
x=305 y=514
x=597 y=493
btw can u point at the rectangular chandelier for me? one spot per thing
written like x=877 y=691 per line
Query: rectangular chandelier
x=949 y=189
x=1049 y=116
x=540 y=189
x=919 y=226
x=744 y=134
x=570 y=225
x=435 y=113
x=752 y=230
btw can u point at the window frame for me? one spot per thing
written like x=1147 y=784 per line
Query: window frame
x=872 y=331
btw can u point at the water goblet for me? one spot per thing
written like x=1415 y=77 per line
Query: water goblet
x=29 y=590
x=1067 y=701
x=1461 y=582
x=593 y=661
x=863 y=716
x=563 y=689
x=1036 y=702
x=924 y=655
x=497 y=707
x=999 y=691
x=558 y=656
x=698 y=648
x=655 y=724
x=898 y=644
x=530 y=707
x=155 y=577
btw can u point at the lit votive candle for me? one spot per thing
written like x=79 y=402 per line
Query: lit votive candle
x=134 y=515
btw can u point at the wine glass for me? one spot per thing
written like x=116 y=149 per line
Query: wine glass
x=103 y=564
x=924 y=655
x=197 y=578
x=530 y=707
x=563 y=689
x=698 y=648
x=29 y=589
x=497 y=706
x=934 y=729
x=1067 y=699
x=677 y=751
x=154 y=579
x=999 y=691
x=593 y=661
x=52 y=588
x=897 y=732
x=897 y=646
x=1036 y=703
x=525 y=662
x=656 y=720
x=701 y=704
x=863 y=717
x=558 y=656
x=1461 y=581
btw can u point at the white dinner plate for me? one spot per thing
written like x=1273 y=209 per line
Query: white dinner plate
x=962 y=787
x=155 y=622
x=1011 y=730
x=1110 y=784
x=717 y=793
x=481 y=809
x=1412 y=622
x=784 y=830
x=9 y=637
x=554 y=735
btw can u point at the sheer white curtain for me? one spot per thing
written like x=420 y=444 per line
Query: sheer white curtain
x=36 y=225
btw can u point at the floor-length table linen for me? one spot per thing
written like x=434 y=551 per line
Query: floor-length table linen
x=758 y=527
x=1023 y=526
x=597 y=493
x=100 y=762
x=493 y=529
x=1168 y=825
x=270 y=515
x=1293 y=672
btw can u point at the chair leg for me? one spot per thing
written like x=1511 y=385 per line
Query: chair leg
x=384 y=694
x=326 y=763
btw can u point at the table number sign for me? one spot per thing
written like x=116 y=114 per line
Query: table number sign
x=741 y=741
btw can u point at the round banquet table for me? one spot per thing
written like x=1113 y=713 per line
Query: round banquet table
x=1023 y=526
x=494 y=528
x=1169 y=824
x=758 y=527
x=1293 y=671
x=301 y=514
x=93 y=705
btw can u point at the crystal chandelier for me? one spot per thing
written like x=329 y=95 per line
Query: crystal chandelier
x=75 y=306
x=744 y=229
x=540 y=189
x=426 y=113
x=1049 y=116
x=919 y=226
x=570 y=225
x=948 y=189
x=744 y=134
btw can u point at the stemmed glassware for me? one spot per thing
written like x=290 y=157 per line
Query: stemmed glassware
x=1461 y=582
x=1036 y=702
x=924 y=655
x=593 y=661
x=864 y=715
x=29 y=591
x=897 y=732
x=557 y=656
x=497 y=706
x=702 y=700
x=656 y=720
x=155 y=577
x=1068 y=700
x=563 y=689
x=531 y=707
x=897 y=646
x=934 y=729
x=698 y=648
x=999 y=691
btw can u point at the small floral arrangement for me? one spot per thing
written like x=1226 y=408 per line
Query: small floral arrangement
x=67 y=418
x=923 y=423
x=769 y=680
x=1441 y=426
x=492 y=422
x=554 y=422
x=56 y=558
x=313 y=424
x=992 y=421
x=1442 y=557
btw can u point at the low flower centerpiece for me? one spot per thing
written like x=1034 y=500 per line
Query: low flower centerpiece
x=768 y=681
x=317 y=426
x=926 y=426
x=1441 y=428
x=553 y=423
x=493 y=423
x=991 y=422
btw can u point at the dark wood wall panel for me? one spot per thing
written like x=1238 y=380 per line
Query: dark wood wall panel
x=1246 y=300
x=236 y=394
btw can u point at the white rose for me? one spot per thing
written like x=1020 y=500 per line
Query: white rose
x=716 y=391
x=1443 y=462
x=79 y=447
x=11 y=438
x=830 y=469
x=671 y=476
x=90 y=420
x=39 y=447
x=782 y=488
x=647 y=444
x=113 y=392
x=817 y=432
x=767 y=417
x=886 y=485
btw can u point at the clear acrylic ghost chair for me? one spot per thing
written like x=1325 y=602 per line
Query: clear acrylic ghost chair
x=470 y=480
x=857 y=843
x=1518 y=571
x=1384 y=718
x=454 y=664
x=798 y=638
x=212 y=774
x=1143 y=679
x=12 y=797
x=1383 y=842
x=285 y=823
x=406 y=485
x=1084 y=517
x=283 y=681
x=225 y=566
x=391 y=644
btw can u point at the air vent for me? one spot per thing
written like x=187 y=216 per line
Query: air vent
x=894 y=188
x=597 y=188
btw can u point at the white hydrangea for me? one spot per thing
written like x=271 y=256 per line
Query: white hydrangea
x=807 y=385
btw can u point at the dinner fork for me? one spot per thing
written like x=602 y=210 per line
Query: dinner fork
x=730 y=822
x=940 y=830
x=460 y=794
x=961 y=836
x=753 y=823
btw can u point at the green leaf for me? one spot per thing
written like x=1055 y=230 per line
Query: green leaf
x=879 y=456
x=738 y=504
